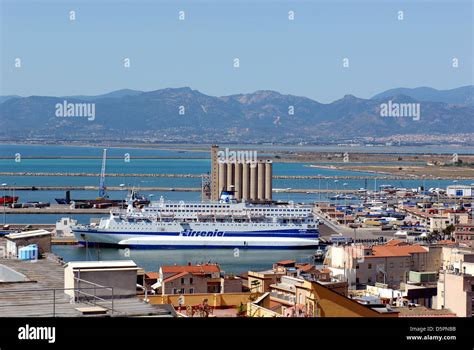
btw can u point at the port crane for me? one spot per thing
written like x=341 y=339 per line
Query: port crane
x=102 y=193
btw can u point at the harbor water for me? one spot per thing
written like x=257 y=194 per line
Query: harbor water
x=184 y=162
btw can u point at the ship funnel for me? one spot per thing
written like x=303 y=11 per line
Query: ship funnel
x=228 y=197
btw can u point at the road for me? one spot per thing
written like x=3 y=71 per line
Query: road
x=328 y=228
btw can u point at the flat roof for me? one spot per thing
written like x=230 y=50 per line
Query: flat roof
x=27 y=234
x=101 y=264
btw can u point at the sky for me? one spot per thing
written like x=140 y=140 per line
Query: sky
x=303 y=56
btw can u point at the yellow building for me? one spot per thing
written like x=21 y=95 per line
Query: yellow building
x=312 y=299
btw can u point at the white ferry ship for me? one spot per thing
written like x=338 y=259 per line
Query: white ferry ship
x=223 y=224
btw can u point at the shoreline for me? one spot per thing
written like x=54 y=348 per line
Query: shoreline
x=205 y=147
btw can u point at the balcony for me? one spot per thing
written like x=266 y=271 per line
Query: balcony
x=284 y=298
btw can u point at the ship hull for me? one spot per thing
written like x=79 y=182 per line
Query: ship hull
x=176 y=240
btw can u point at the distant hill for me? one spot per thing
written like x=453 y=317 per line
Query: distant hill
x=462 y=96
x=187 y=115
x=8 y=97
x=113 y=94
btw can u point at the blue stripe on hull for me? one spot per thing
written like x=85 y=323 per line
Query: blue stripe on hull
x=142 y=246
x=226 y=234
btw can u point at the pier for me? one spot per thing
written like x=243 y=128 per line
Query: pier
x=277 y=177
x=164 y=189
x=96 y=188
x=55 y=209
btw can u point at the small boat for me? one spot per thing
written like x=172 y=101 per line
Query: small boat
x=319 y=255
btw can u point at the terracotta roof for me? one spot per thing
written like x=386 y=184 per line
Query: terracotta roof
x=447 y=242
x=395 y=242
x=304 y=267
x=195 y=269
x=326 y=271
x=404 y=250
x=178 y=275
x=286 y=262
x=152 y=275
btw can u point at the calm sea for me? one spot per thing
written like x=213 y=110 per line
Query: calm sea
x=231 y=261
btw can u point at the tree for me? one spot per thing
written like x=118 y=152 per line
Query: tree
x=448 y=231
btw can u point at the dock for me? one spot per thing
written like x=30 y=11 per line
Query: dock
x=64 y=241
x=96 y=188
x=56 y=209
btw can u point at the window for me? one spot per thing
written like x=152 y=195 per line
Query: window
x=191 y=290
x=370 y=266
x=182 y=280
x=191 y=280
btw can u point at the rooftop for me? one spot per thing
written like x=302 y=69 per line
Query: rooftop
x=152 y=275
x=101 y=264
x=286 y=262
x=178 y=275
x=42 y=294
x=392 y=251
x=421 y=311
x=27 y=234
x=195 y=269
x=395 y=242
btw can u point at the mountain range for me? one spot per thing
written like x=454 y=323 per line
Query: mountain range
x=187 y=115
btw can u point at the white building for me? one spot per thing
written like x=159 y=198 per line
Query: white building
x=460 y=190
x=63 y=227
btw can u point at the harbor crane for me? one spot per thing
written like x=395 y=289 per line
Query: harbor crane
x=102 y=193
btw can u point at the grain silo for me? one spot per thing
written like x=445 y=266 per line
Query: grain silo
x=268 y=180
x=245 y=181
x=230 y=176
x=261 y=180
x=242 y=172
x=238 y=180
x=222 y=177
x=253 y=181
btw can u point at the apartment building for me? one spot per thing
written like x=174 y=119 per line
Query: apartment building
x=464 y=235
x=192 y=279
x=388 y=264
x=456 y=293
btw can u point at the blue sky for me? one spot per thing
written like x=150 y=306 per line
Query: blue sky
x=301 y=57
